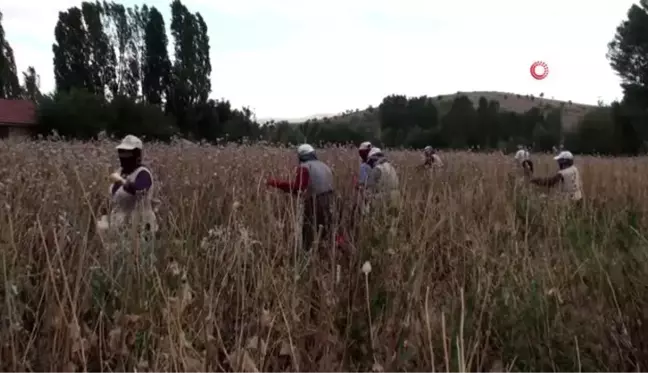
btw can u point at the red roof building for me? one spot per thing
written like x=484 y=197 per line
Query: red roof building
x=17 y=117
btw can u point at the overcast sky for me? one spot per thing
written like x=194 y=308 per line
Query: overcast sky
x=294 y=58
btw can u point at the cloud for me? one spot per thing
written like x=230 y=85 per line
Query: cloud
x=296 y=58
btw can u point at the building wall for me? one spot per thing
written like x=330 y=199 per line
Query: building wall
x=19 y=132
x=14 y=132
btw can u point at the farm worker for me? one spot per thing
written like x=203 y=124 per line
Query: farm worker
x=523 y=159
x=432 y=159
x=568 y=177
x=360 y=183
x=382 y=184
x=314 y=183
x=132 y=188
x=363 y=151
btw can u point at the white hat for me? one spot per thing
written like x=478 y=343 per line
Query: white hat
x=130 y=142
x=564 y=155
x=304 y=149
x=374 y=151
x=522 y=155
x=365 y=145
x=428 y=148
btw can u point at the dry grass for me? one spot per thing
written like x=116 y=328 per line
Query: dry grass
x=475 y=272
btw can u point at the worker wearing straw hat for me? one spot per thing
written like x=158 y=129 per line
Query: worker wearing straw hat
x=314 y=183
x=132 y=189
x=568 y=177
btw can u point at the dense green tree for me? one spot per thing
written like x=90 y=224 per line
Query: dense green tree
x=99 y=54
x=71 y=69
x=183 y=91
x=487 y=113
x=74 y=113
x=31 y=85
x=629 y=126
x=157 y=67
x=628 y=54
x=392 y=113
x=459 y=125
x=125 y=34
x=593 y=133
x=203 y=66
x=141 y=119
x=9 y=85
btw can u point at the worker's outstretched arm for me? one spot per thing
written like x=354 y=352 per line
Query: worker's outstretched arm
x=300 y=183
x=547 y=181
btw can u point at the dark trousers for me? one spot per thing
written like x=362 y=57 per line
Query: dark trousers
x=318 y=219
x=527 y=165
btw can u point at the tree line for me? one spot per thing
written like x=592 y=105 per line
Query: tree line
x=113 y=74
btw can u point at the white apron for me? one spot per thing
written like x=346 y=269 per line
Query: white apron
x=136 y=209
x=571 y=186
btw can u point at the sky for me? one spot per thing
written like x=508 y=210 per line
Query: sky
x=297 y=58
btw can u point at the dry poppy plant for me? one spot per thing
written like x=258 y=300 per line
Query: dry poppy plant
x=476 y=271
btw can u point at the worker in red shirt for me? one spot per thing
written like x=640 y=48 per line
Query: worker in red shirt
x=314 y=183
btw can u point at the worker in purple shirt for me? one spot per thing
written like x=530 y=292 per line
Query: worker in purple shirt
x=132 y=188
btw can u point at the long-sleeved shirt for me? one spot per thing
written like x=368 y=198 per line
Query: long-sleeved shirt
x=142 y=182
x=299 y=184
x=363 y=175
x=550 y=181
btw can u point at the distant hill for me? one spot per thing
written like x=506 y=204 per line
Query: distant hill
x=512 y=102
x=296 y=120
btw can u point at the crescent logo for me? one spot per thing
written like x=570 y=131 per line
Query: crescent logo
x=539 y=70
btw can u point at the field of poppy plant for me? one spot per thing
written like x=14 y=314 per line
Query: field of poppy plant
x=476 y=271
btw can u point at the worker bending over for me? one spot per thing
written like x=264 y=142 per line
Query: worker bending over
x=432 y=159
x=523 y=160
x=382 y=184
x=568 y=177
x=313 y=183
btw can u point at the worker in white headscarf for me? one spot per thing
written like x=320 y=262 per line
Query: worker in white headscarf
x=363 y=152
x=523 y=160
x=431 y=158
x=358 y=206
x=314 y=183
x=382 y=184
x=132 y=190
x=568 y=177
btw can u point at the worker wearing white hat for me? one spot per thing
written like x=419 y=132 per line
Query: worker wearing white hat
x=132 y=188
x=363 y=152
x=431 y=157
x=568 y=177
x=314 y=183
x=383 y=183
x=523 y=159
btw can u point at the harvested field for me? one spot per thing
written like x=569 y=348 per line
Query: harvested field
x=476 y=272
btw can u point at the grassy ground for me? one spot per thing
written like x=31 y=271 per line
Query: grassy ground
x=476 y=272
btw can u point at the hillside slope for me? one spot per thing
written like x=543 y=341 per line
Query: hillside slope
x=512 y=102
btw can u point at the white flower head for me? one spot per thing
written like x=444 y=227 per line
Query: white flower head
x=366 y=268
